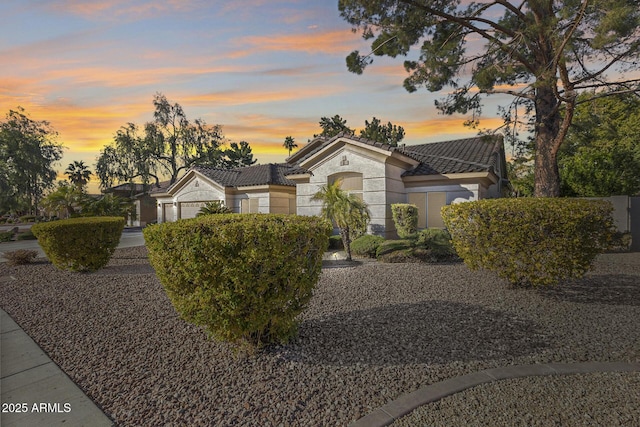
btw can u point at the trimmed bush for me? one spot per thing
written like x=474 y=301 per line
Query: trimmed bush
x=20 y=257
x=530 y=241
x=438 y=242
x=27 y=235
x=366 y=245
x=27 y=218
x=6 y=236
x=393 y=245
x=405 y=217
x=79 y=244
x=245 y=277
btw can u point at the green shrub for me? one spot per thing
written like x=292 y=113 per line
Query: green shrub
x=437 y=242
x=79 y=244
x=405 y=217
x=244 y=278
x=366 y=245
x=27 y=235
x=530 y=241
x=27 y=218
x=212 y=208
x=393 y=245
x=335 y=242
x=20 y=257
x=6 y=236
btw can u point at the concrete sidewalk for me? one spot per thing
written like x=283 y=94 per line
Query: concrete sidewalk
x=34 y=390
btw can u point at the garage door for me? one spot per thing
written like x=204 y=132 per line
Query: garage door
x=190 y=209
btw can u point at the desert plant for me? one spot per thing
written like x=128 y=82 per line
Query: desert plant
x=244 y=278
x=346 y=210
x=214 y=207
x=405 y=217
x=366 y=245
x=530 y=241
x=20 y=257
x=79 y=244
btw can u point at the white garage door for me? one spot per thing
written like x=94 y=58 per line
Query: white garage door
x=190 y=209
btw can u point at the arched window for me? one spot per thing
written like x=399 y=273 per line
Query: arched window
x=351 y=182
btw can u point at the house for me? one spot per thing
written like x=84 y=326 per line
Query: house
x=250 y=189
x=144 y=203
x=427 y=175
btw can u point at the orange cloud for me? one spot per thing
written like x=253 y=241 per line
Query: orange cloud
x=336 y=42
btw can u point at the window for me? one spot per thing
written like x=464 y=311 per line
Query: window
x=351 y=182
x=435 y=202
x=249 y=206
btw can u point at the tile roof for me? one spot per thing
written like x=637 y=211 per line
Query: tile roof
x=478 y=154
x=249 y=175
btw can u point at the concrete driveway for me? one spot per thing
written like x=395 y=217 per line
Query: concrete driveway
x=128 y=239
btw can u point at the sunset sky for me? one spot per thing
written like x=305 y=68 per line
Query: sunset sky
x=261 y=69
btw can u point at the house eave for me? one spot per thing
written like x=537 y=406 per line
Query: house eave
x=488 y=177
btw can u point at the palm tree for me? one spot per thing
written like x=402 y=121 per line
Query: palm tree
x=78 y=173
x=66 y=197
x=289 y=144
x=346 y=210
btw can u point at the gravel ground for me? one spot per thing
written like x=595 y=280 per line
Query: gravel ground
x=371 y=333
x=600 y=399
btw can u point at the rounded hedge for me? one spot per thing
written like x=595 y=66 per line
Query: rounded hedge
x=79 y=244
x=530 y=241
x=366 y=245
x=244 y=277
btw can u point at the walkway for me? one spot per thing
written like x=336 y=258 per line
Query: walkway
x=35 y=391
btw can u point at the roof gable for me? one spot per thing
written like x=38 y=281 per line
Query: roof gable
x=478 y=154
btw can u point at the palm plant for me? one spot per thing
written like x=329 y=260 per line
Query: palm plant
x=66 y=197
x=214 y=207
x=78 y=173
x=347 y=211
x=289 y=144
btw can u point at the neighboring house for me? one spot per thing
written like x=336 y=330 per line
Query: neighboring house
x=427 y=175
x=250 y=189
x=145 y=204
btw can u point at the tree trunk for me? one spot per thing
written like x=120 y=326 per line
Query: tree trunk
x=547 y=130
x=346 y=241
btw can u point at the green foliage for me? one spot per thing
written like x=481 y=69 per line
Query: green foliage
x=346 y=210
x=168 y=145
x=238 y=156
x=244 y=278
x=65 y=198
x=389 y=246
x=437 y=242
x=214 y=207
x=387 y=134
x=333 y=126
x=289 y=144
x=28 y=154
x=79 y=244
x=28 y=218
x=542 y=53
x=27 y=235
x=366 y=245
x=405 y=217
x=108 y=205
x=601 y=154
x=530 y=241
x=20 y=256
x=79 y=174
x=6 y=236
